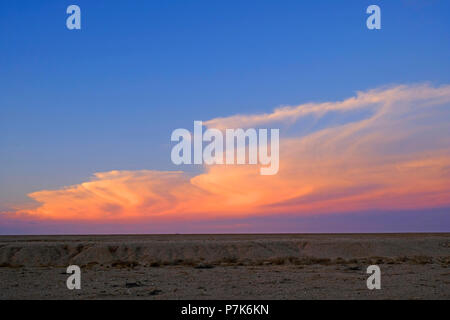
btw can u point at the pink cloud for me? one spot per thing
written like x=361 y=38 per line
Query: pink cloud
x=396 y=157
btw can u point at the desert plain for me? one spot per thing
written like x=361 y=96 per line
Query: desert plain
x=228 y=266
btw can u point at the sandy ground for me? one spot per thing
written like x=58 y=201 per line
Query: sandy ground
x=413 y=266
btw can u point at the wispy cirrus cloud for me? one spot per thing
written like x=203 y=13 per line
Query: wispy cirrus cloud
x=380 y=99
x=397 y=156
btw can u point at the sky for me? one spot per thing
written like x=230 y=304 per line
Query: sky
x=86 y=116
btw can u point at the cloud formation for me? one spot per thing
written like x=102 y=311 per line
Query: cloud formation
x=387 y=148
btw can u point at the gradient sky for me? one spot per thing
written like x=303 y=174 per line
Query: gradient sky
x=86 y=116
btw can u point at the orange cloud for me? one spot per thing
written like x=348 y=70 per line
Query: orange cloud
x=394 y=156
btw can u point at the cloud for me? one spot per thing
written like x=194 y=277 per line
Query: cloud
x=388 y=150
x=378 y=98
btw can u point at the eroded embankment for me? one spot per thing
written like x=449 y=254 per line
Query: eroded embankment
x=117 y=251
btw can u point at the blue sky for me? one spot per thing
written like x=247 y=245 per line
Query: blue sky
x=108 y=96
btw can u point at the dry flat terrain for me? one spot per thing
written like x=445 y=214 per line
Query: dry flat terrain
x=275 y=266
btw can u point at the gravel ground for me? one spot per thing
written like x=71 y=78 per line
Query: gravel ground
x=265 y=266
x=430 y=281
